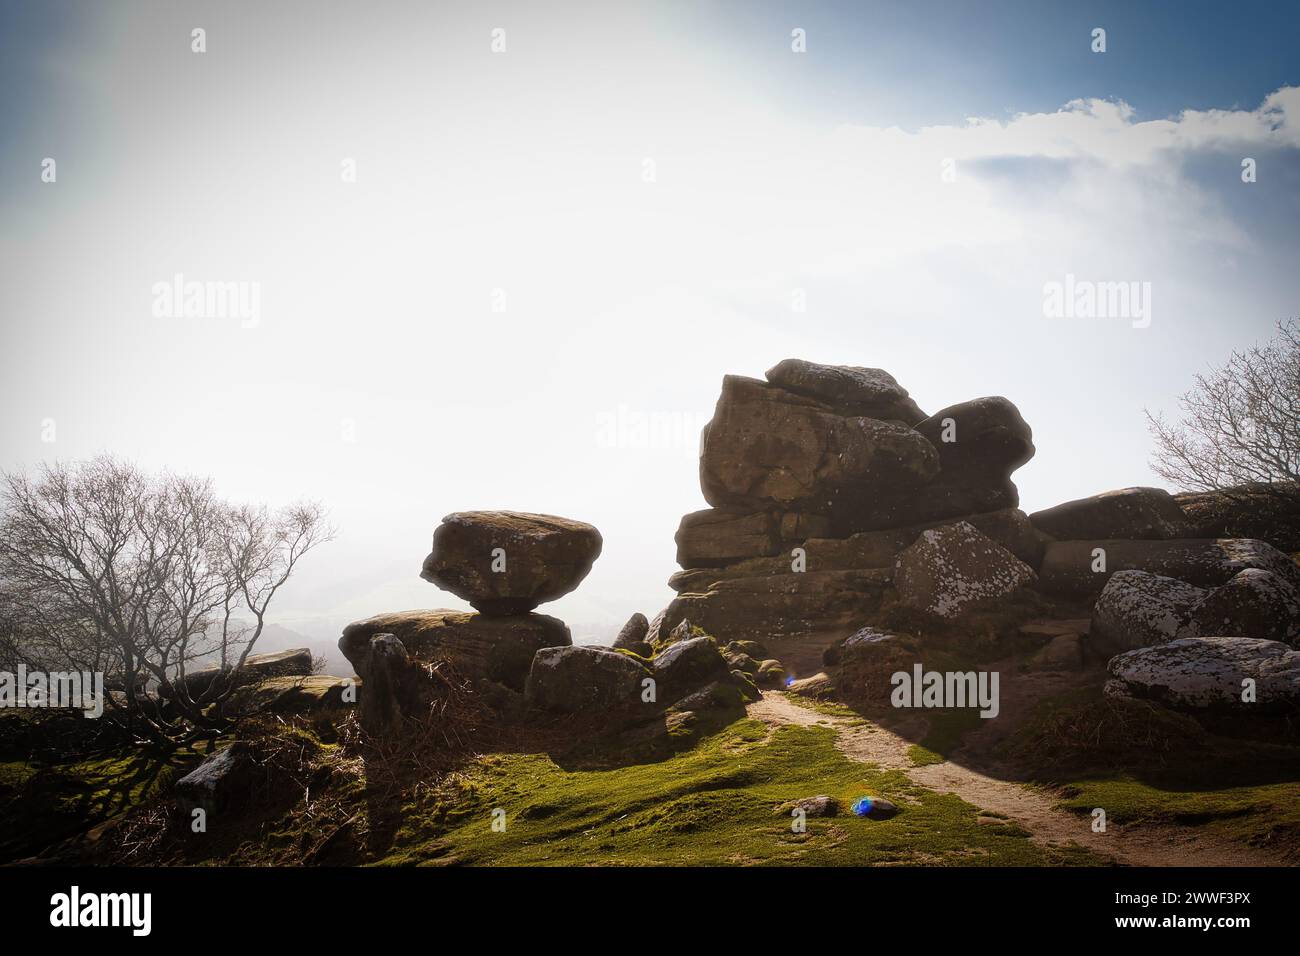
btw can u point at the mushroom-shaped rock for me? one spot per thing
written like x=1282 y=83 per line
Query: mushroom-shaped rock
x=508 y=562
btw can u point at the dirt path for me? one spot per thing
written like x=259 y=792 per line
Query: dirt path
x=1032 y=809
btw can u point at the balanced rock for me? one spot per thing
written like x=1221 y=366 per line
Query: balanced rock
x=1255 y=603
x=500 y=649
x=1198 y=673
x=1141 y=609
x=573 y=679
x=952 y=567
x=871 y=392
x=508 y=562
x=767 y=447
x=1143 y=513
x=1081 y=568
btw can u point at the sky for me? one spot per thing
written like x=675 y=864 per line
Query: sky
x=547 y=246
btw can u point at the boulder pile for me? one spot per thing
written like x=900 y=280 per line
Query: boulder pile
x=504 y=563
x=821 y=478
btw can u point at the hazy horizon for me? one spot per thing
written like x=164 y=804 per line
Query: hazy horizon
x=597 y=223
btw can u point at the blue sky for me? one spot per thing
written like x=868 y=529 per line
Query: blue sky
x=599 y=223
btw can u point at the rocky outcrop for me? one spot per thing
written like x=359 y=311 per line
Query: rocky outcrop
x=818 y=479
x=950 y=568
x=1139 y=513
x=500 y=649
x=508 y=562
x=1207 y=673
x=1082 y=568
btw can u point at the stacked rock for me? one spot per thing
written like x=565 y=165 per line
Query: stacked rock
x=820 y=478
x=504 y=563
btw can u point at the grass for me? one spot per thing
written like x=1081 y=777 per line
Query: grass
x=713 y=805
x=1144 y=764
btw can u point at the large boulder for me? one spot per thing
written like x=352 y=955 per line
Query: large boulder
x=871 y=392
x=984 y=437
x=979 y=443
x=508 y=562
x=574 y=679
x=767 y=447
x=1267 y=511
x=687 y=666
x=1076 y=569
x=1201 y=673
x=949 y=568
x=1140 y=609
x=1255 y=603
x=500 y=649
x=290 y=695
x=1147 y=513
x=711 y=538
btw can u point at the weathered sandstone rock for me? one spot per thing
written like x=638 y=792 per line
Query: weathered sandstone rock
x=1143 y=513
x=1200 y=673
x=508 y=562
x=952 y=567
x=496 y=648
x=574 y=679
x=871 y=392
x=1141 y=609
x=1068 y=566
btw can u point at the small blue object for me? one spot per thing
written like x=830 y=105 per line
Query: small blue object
x=863 y=806
x=789 y=682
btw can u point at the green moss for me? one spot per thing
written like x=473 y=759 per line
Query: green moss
x=712 y=805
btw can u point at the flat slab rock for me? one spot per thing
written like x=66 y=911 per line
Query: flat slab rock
x=1200 y=673
x=478 y=646
x=1068 y=566
x=950 y=568
x=509 y=562
x=1139 y=513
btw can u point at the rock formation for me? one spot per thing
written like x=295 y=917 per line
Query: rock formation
x=819 y=478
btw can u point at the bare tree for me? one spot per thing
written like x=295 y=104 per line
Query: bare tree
x=105 y=568
x=1241 y=424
